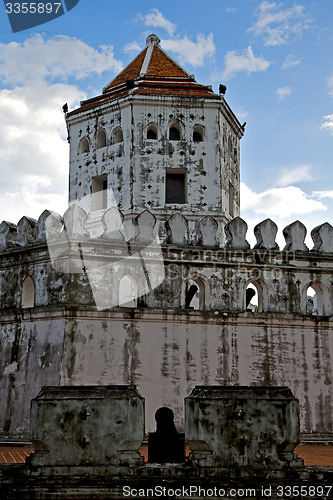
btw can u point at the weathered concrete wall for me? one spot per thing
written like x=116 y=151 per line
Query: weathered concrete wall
x=31 y=346
x=241 y=438
x=88 y=426
x=159 y=345
x=167 y=354
x=243 y=426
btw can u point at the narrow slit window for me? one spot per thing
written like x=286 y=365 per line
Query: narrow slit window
x=231 y=200
x=175 y=187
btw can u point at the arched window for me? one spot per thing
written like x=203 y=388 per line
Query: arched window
x=197 y=134
x=318 y=299
x=83 y=146
x=194 y=294
x=117 y=135
x=127 y=291
x=28 y=293
x=312 y=301
x=175 y=133
x=152 y=132
x=254 y=296
x=101 y=138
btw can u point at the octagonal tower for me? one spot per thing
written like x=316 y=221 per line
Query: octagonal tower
x=155 y=139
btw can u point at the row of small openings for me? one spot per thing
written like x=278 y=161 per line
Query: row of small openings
x=127 y=292
x=194 y=298
x=315 y=296
x=194 y=295
x=101 y=142
x=175 y=133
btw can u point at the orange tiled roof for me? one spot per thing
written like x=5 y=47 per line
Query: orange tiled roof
x=131 y=72
x=153 y=72
x=161 y=65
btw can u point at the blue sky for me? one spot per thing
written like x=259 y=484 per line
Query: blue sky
x=275 y=58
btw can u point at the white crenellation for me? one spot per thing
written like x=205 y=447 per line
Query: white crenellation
x=281 y=278
x=266 y=232
x=206 y=232
x=294 y=235
x=323 y=237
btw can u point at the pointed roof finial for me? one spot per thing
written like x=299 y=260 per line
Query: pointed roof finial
x=152 y=40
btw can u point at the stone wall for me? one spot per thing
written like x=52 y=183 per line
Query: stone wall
x=159 y=345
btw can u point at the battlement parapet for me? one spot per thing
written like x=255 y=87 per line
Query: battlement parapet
x=174 y=231
x=54 y=260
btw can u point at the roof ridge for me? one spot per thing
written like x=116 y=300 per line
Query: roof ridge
x=190 y=75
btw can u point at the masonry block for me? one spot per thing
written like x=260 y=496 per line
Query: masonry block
x=234 y=426
x=87 y=425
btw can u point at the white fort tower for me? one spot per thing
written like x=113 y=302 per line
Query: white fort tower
x=157 y=140
x=94 y=298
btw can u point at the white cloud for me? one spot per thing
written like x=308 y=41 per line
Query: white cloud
x=57 y=57
x=132 y=47
x=328 y=123
x=290 y=61
x=283 y=92
x=231 y=10
x=277 y=24
x=33 y=135
x=33 y=147
x=155 y=18
x=323 y=194
x=330 y=85
x=241 y=114
x=32 y=195
x=281 y=202
x=291 y=176
x=194 y=53
x=246 y=61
